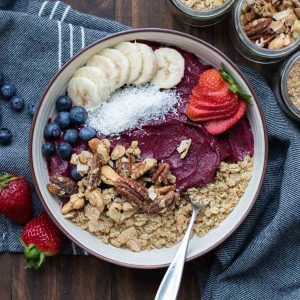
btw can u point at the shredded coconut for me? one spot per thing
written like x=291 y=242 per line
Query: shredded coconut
x=131 y=107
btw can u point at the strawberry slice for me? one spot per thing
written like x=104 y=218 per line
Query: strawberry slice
x=201 y=102
x=219 y=126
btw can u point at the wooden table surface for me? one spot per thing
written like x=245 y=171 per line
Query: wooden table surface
x=87 y=278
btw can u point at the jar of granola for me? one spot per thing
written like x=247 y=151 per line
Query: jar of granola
x=265 y=31
x=287 y=87
x=200 y=12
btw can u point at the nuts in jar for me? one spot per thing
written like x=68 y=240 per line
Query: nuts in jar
x=271 y=24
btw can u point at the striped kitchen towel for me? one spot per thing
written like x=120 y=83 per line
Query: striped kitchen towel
x=261 y=260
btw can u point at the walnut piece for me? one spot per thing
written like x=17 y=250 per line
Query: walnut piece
x=101 y=148
x=162 y=202
x=62 y=186
x=161 y=173
x=139 y=169
x=184 y=147
x=118 y=152
x=108 y=175
x=131 y=190
x=95 y=198
x=76 y=202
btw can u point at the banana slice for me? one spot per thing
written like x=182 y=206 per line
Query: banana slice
x=109 y=68
x=149 y=64
x=120 y=61
x=130 y=50
x=170 y=68
x=99 y=78
x=83 y=92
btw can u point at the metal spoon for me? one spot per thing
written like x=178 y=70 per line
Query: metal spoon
x=170 y=284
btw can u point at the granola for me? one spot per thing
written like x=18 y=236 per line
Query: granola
x=203 y=4
x=271 y=24
x=122 y=225
x=293 y=84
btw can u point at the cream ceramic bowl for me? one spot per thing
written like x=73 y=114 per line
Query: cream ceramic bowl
x=160 y=257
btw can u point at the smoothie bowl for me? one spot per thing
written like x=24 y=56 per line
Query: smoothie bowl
x=130 y=129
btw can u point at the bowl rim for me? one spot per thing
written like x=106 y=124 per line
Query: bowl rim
x=143 y=30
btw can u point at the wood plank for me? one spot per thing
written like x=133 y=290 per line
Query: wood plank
x=5 y=276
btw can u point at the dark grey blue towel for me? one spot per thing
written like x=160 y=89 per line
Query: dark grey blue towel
x=261 y=260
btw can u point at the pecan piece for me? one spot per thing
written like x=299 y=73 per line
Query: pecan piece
x=62 y=186
x=162 y=202
x=257 y=27
x=165 y=189
x=161 y=173
x=94 y=174
x=140 y=168
x=131 y=190
x=124 y=165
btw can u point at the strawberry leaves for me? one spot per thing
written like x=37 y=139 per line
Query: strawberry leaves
x=34 y=257
x=235 y=88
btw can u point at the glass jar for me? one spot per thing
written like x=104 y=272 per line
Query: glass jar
x=281 y=88
x=200 y=18
x=250 y=50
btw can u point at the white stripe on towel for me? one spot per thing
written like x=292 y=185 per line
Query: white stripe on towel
x=59 y=44
x=71 y=40
x=85 y=253
x=82 y=37
x=65 y=13
x=42 y=8
x=74 y=248
x=54 y=9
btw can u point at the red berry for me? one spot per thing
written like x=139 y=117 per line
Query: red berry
x=15 y=198
x=211 y=80
x=40 y=238
x=218 y=127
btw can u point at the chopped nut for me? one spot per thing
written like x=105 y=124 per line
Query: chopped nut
x=134 y=244
x=95 y=198
x=94 y=174
x=114 y=212
x=62 y=186
x=76 y=202
x=85 y=156
x=161 y=173
x=184 y=147
x=127 y=235
x=118 y=152
x=108 y=175
x=101 y=148
x=131 y=190
x=151 y=193
x=139 y=169
x=165 y=189
x=163 y=201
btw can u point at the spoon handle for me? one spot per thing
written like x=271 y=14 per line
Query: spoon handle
x=170 y=284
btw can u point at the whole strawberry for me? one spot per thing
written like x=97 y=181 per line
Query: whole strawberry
x=40 y=238
x=15 y=198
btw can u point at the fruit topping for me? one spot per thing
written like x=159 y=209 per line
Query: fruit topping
x=63 y=119
x=217 y=97
x=71 y=136
x=78 y=115
x=63 y=103
x=87 y=133
x=40 y=238
x=75 y=175
x=5 y=136
x=64 y=150
x=52 y=131
x=48 y=149
x=17 y=103
x=219 y=126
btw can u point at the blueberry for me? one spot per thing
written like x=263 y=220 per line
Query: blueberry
x=87 y=133
x=78 y=115
x=48 y=149
x=71 y=136
x=31 y=109
x=8 y=90
x=52 y=131
x=64 y=150
x=63 y=103
x=74 y=174
x=5 y=136
x=1 y=76
x=63 y=119
x=17 y=103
